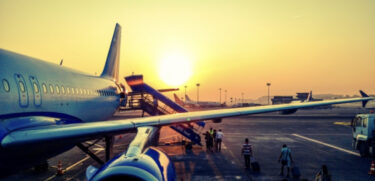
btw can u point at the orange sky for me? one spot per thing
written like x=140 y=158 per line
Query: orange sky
x=324 y=46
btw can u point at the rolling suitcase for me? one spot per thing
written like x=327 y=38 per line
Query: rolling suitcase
x=295 y=172
x=254 y=165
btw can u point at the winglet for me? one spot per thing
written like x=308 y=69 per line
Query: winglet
x=363 y=94
x=111 y=68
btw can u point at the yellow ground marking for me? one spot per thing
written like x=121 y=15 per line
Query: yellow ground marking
x=329 y=145
x=72 y=166
x=342 y=123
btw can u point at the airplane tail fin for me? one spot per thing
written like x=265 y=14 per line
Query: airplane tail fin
x=111 y=68
x=363 y=94
x=187 y=98
x=309 y=97
x=178 y=100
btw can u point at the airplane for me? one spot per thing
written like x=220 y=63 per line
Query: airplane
x=202 y=103
x=185 y=104
x=47 y=109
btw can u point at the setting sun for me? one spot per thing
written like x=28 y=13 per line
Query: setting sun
x=175 y=69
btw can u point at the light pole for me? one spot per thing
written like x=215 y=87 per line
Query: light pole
x=198 y=84
x=220 y=95
x=268 y=99
x=225 y=91
x=242 y=98
x=185 y=90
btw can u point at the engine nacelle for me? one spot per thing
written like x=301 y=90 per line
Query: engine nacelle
x=218 y=120
x=152 y=164
x=288 y=111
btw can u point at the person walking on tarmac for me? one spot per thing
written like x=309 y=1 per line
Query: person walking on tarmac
x=247 y=152
x=214 y=140
x=207 y=138
x=286 y=159
x=219 y=139
x=211 y=139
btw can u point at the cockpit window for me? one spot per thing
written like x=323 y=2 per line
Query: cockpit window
x=22 y=86
x=6 y=85
x=44 y=88
x=51 y=89
x=36 y=88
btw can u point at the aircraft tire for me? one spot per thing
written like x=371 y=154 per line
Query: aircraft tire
x=363 y=149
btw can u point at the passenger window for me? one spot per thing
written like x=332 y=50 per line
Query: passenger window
x=22 y=86
x=62 y=90
x=80 y=91
x=44 y=88
x=51 y=89
x=6 y=85
x=57 y=89
x=36 y=88
x=77 y=92
x=67 y=90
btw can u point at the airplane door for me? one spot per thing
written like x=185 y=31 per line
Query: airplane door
x=22 y=90
x=36 y=91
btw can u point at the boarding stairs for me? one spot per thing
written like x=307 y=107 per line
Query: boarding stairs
x=149 y=100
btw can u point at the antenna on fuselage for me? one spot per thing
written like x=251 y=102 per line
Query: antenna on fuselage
x=61 y=62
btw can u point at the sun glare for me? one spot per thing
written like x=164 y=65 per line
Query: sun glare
x=175 y=69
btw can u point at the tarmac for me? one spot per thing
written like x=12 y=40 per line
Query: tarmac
x=315 y=137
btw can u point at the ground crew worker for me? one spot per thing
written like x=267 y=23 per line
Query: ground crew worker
x=207 y=138
x=286 y=159
x=211 y=131
x=219 y=138
x=247 y=152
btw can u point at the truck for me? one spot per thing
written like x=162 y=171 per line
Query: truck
x=363 y=128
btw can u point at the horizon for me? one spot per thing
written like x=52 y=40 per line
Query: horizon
x=326 y=47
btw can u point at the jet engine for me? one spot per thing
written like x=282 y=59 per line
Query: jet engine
x=152 y=164
x=288 y=111
x=217 y=120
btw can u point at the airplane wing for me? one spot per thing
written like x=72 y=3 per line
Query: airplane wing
x=79 y=132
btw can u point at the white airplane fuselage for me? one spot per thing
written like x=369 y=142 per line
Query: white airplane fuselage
x=38 y=88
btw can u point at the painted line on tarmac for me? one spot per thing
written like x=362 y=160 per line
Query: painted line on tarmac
x=71 y=166
x=216 y=170
x=342 y=123
x=329 y=145
x=235 y=159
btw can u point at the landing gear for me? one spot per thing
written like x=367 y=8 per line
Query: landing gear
x=108 y=149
